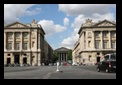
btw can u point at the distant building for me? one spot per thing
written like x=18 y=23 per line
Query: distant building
x=62 y=54
x=48 y=53
x=24 y=43
x=95 y=40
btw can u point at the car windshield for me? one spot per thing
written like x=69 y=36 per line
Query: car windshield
x=113 y=57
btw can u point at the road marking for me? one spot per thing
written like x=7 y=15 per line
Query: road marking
x=47 y=75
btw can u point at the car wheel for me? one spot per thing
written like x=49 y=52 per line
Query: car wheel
x=107 y=71
x=98 y=70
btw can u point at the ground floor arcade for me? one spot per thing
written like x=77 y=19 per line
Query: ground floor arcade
x=30 y=58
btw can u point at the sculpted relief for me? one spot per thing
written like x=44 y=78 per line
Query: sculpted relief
x=105 y=24
x=89 y=35
x=33 y=35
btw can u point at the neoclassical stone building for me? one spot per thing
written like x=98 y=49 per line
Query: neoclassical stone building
x=95 y=40
x=62 y=54
x=23 y=43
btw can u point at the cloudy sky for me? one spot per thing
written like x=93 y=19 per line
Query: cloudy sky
x=61 y=22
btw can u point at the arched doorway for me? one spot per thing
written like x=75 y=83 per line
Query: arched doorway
x=25 y=60
x=8 y=60
x=98 y=59
x=16 y=59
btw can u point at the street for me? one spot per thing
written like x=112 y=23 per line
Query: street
x=49 y=72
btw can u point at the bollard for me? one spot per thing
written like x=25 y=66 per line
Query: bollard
x=57 y=66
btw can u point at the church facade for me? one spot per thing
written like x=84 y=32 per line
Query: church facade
x=62 y=54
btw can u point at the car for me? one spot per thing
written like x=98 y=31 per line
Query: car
x=107 y=66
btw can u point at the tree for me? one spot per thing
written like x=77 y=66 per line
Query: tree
x=70 y=55
x=55 y=57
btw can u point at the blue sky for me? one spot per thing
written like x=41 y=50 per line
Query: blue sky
x=61 y=22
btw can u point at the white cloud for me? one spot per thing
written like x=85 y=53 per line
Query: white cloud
x=69 y=42
x=12 y=12
x=66 y=21
x=85 y=9
x=51 y=28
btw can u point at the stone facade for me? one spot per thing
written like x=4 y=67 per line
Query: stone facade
x=95 y=40
x=62 y=54
x=23 y=43
x=48 y=52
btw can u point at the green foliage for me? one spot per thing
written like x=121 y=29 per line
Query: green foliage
x=70 y=55
x=55 y=57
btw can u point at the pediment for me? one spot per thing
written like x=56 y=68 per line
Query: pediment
x=17 y=25
x=105 y=23
x=62 y=49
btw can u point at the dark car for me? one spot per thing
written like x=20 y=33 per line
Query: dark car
x=107 y=66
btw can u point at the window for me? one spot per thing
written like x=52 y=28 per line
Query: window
x=89 y=57
x=89 y=43
x=17 y=35
x=25 y=46
x=113 y=34
x=97 y=34
x=25 y=34
x=106 y=57
x=97 y=44
x=9 y=34
x=84 y=44
x=24 y=54
x=104 y=44
x=33 y=44
x=113 y=57
x=98 y=53
x=9 y=46
x=113 y=44
x=105 y=34
x=17 y=46
x=8 y=54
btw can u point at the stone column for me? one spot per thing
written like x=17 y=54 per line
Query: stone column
x=38 y=41
x=21 y=47
x=21 y=59
x=58 y=56
x=13 y=44
x=28 y=59
x=66 y=56
x=29 y=40
x=5 y=42
x=109 y=40
x=101 y=40
x=93 y=40
x=39 y=59
x=12 y=58
x=61 y=57
x=5 y=58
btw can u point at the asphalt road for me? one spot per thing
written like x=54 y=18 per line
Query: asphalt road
x=49 y=72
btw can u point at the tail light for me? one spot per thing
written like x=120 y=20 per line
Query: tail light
x=109 y=64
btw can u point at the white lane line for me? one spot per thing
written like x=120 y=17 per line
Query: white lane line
x=47 y=75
